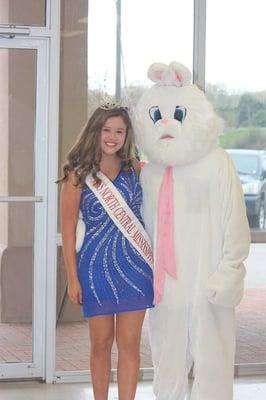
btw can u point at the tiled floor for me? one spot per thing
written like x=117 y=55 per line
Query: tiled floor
x=72 y=338
x=73 y=347
x=251 y=388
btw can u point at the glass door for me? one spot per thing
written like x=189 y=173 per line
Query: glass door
x=23 y=148
x=236 y=85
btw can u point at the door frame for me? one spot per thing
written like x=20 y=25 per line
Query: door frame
x=36 y=367
x=46 y=41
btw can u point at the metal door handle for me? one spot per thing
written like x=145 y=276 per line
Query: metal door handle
x=30 y=199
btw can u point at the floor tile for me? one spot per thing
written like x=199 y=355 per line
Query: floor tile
x=246 y=388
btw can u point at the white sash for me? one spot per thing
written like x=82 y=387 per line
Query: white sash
x=121 y=215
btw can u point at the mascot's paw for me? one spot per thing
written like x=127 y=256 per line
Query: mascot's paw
x=80 y=234
x=225 y=287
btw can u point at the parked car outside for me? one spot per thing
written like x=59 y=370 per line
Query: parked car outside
x=251 y=168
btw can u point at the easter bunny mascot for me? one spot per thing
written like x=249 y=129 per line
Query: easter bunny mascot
x=194 y=211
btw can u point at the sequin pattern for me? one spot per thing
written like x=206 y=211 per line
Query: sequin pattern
x=113 y=275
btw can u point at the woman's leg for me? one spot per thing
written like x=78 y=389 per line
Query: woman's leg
x=101 y=339
x=128 y=334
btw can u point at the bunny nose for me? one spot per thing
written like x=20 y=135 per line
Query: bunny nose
x=164 y=120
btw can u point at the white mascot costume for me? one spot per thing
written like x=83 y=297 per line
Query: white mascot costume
x=194 y=211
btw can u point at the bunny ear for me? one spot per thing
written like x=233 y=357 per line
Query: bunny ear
x=173 y=75
x=182 y=73
x=155 y=71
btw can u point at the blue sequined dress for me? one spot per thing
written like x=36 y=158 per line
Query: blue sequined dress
x=113 y=275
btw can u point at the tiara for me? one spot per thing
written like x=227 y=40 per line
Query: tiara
x=108 y=102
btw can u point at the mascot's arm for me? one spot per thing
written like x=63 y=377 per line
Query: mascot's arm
x=226 y=286
x=137 y=194
x=147 y=208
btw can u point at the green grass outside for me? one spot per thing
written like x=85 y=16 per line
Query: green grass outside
x=244 y=138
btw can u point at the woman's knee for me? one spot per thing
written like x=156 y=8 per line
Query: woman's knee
x=101 y=333
x=128 y=343
x=102 y=343
x=128 y=332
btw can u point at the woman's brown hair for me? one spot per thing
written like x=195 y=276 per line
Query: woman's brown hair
x=85 y=155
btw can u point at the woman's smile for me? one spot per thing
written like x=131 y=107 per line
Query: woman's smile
x=113 y=135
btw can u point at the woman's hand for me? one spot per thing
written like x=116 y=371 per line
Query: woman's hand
x=74 y=291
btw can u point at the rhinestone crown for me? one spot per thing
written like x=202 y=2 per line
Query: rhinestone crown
x=109 y=102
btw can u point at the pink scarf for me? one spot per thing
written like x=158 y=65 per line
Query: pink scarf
x=165 y=250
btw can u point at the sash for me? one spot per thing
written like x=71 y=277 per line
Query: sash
x=122 y=216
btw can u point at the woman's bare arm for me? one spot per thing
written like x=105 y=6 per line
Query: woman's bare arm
x=69 y=209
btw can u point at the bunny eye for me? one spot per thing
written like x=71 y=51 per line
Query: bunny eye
x=155 y=113
x=180 y=113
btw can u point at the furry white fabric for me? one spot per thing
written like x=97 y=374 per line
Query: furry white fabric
x=195 y=321
x=175 y=74
x=192 y=139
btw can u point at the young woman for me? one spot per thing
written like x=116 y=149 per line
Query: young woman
x=110 y=273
